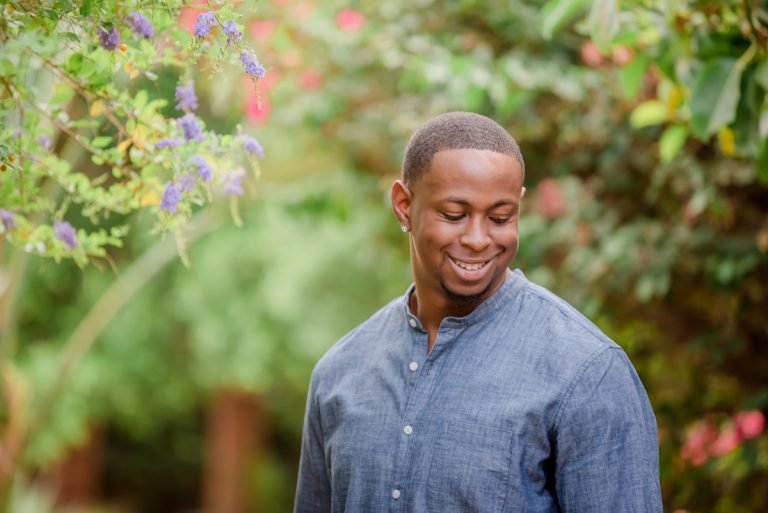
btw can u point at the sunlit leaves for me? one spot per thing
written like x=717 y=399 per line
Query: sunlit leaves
x=715 y=96
x=556 y=13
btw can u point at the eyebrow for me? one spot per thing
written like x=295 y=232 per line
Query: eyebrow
x=463 y=202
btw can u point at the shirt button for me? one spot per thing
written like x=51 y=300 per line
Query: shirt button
x=412 y=322
x=413 y=366
x=408 y=430
x=395 y=494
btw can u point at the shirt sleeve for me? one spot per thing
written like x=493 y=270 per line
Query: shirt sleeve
x=313 y=489
x=606 y=441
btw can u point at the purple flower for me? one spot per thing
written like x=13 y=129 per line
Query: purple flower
x=233 y=186
x=65 y=233
x=185 y=97
x=203 y=169
x=186 y=182
x=252 y=145
x=167 y=142
x=45 y=142
x=205 y=21
x=232 y=32
x=140 y=25
x=171 y=198
x=191 y=127
x=251 y=64
x=109 y=39
x=9 y=221
x=17 y=132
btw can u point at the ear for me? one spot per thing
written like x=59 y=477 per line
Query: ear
x=522 y=192
x=401 y=203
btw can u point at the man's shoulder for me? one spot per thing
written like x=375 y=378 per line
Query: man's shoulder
x=560 y=322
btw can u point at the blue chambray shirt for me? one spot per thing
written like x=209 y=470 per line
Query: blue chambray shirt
x=522 y=406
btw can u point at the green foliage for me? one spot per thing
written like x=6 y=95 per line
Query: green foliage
x=81 y=122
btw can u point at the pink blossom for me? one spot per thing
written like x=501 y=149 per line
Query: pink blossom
x=350 y=20
x=749 y=423
x=310 y=80
x=698 y=441
x=550 y=200
x=726 y=441
x=262 y=30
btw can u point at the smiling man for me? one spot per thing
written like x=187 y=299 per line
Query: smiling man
x=476 y=391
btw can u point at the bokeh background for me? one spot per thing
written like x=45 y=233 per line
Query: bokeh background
x=643 y=128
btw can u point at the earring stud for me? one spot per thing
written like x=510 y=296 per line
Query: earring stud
x=404 y=228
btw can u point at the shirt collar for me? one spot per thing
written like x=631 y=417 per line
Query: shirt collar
x=503 y=295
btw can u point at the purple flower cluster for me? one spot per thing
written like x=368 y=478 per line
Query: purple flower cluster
x=233 y=186
x=171 y=198
x=140 y=25
x=9 y=221
x=205 y=22
x=109 y=39
x=232 y=32
x=186 y=182
x=189 y=124
x=167 y=142
x=251 y=64
x=185 y=97
x=203 y=169
x=252 y=146
x=65 y=232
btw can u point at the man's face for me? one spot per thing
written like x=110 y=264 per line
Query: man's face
x=463 y=217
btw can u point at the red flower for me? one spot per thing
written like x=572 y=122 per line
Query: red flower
x=350 y=20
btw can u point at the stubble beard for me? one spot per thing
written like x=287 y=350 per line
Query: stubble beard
x=463 y=299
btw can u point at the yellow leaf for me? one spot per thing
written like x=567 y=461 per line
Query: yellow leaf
x=726 y=140
x=123 y=146
x=149 y=199
x=675 y=98
x=139 y=137
x=97 y=108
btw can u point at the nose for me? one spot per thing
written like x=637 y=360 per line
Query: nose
x=475 y=235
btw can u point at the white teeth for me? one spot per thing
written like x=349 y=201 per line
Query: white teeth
x=469 y=267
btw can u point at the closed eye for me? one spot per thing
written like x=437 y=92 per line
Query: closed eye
x=452 y=217
x=500 y=220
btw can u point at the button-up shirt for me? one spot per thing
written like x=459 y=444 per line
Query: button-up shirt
x=521 y=406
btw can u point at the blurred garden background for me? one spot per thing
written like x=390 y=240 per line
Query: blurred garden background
x=194 y=204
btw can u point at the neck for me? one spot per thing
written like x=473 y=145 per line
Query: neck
x=431 y=308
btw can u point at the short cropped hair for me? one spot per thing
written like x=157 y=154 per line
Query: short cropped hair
x=455 y=131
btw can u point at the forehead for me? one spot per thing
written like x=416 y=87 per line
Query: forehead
x=475 y=176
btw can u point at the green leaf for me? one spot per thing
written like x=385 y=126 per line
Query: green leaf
x=557 y=13
x=716 y=93
x=141 y=100
x=101 y=141
x=604 y=22
x=672 y=141
x=633 y=74
x=85 y=9
x=652 y=112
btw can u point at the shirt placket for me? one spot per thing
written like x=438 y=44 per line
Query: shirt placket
x=420 y=382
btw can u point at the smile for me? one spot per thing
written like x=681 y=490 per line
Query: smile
x=470 y=266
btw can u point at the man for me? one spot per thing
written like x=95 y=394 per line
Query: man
x=477 y=391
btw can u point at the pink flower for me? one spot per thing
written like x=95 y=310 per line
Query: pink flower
x=350 y=20
x=749 y=423
x=698 y=441
x=550 y=201
x=262 y=30
x=310 y=80
x=726 y=441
